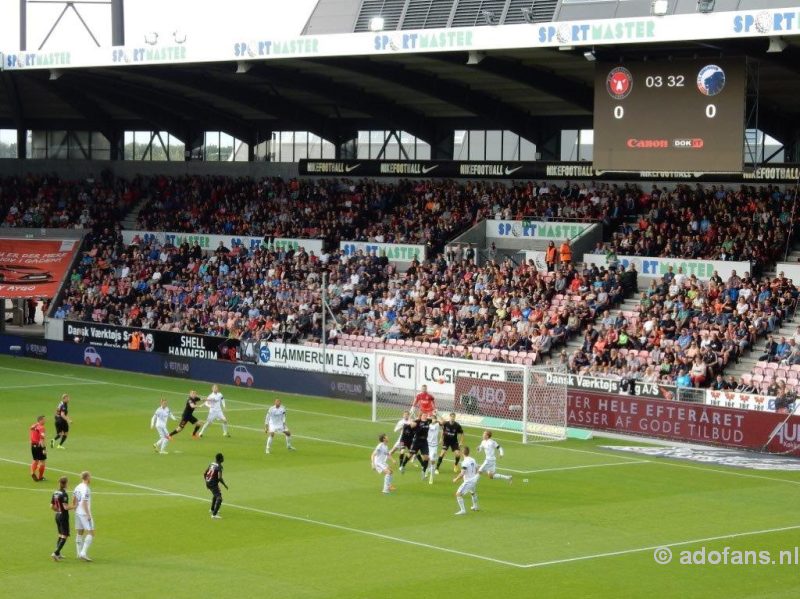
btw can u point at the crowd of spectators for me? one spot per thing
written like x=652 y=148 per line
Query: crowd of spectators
x=53 y=202
x=749 y=224
x=686 y=331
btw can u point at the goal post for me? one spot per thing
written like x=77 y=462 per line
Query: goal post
x=490 y=395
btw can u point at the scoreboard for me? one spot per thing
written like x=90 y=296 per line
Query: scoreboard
x=678 y=115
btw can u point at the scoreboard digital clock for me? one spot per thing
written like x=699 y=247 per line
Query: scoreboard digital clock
x=679 y=115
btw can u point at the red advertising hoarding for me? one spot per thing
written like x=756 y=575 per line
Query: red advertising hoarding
x=683 y=421
x=665 y=419
x=34 y=267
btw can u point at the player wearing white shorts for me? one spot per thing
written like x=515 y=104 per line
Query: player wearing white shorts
x=84 y=522
x=491 y=448
x=275 y=422
x=215 y=402
x=434 y=432
x=379 y=461
x=469 y=476
x=159 y=422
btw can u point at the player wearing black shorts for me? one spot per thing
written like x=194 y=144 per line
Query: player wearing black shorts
x=213 y=478
x=419 y=445
x=406 y=440
x=59 y=503
x=188 y=417
x=452 y=437
x=62 y=423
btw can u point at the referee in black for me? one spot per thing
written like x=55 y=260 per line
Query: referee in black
x=59 y=503
x=213 y=478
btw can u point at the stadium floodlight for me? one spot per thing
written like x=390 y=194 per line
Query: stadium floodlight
x=242 y=66
x=776 y=44
x=376 y=23
x=475 y=56
x=55 y=74
x=527 y=14
x=658 y=8
x=705 y=6
x=489 y=17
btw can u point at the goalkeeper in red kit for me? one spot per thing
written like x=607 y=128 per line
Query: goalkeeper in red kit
x=424 y=403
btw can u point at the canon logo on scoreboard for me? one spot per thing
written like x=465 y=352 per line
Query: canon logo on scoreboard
x=693 y=144
x=647 y=144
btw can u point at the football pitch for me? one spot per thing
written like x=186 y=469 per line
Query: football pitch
x=313 y=523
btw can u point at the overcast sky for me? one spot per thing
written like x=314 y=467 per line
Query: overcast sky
x=198 y=19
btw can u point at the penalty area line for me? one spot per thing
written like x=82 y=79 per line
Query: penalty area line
x=291 y=517
x=734 y=535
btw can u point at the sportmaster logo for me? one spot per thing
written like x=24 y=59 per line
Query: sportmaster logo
x=619 y=83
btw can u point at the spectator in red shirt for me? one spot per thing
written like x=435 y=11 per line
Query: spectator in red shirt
x=38 y=449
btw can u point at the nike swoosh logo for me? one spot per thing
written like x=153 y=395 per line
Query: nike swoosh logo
x=512 y=170
x=429 y=169
x=349 y=169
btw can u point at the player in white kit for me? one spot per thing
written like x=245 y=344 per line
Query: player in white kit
x=275 y=422
x=490 y=448
x=84 y=522
x=159 y=422
x=469 y=476
x=380 y=463
x=398 y=428
x=434 y=431
x=215 y=402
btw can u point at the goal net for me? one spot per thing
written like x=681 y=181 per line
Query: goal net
x=482 y=394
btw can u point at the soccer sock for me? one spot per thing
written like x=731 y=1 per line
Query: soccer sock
x=216 y=503
x=87 y=542
x=458 y=459
x=424 y=466
x=475 y=500
x=439 y=461
x=196 y=428
x=175 y=432
x=60 y=545
x=224 y=428
x=79 y=543
x=203 y=430
x=269 y=443
x=41 y=470
x=460 y=501
x=63 y=439
x=387 y=482
x=288 y=440
x=420 y=460
x=502 y=476
x=34 y=465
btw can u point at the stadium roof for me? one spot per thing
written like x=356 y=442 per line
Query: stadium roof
x=532 y=79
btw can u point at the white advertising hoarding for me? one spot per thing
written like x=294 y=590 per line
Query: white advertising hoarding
x=211 y=242
x=532 y=229
x=230 y=46
x=397 y=253
x=647 y=266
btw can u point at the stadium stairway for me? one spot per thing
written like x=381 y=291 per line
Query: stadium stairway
x=131 y=220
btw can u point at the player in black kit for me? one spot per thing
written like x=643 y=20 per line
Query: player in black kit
x=188 y=416
x=213 y=477
x=59 y=503
x=452 y=437
x=419 y=446
x=406 y=440
x=62 y=423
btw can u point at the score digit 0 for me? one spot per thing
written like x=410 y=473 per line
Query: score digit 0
x=711 y=111
x=619 y=111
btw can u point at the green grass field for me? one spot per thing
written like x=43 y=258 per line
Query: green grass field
x=313 y=523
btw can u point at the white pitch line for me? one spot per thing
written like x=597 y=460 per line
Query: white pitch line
x=369 y=533
x=654 y=547
x=607 y=465
x=102 y=493
x=50 y=385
